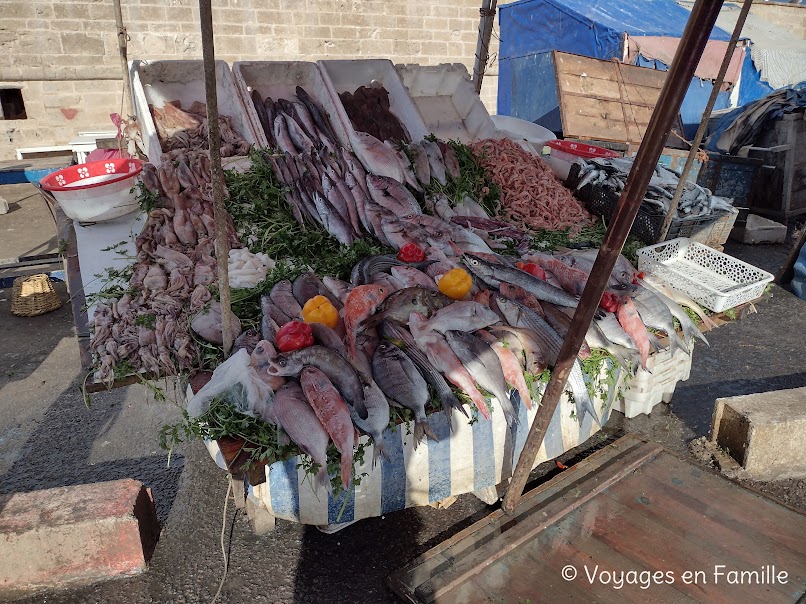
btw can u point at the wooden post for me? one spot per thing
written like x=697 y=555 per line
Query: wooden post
x=123 y=40
x=692 y=44
x=487 y=12
x=214 y=137
x=706 y=115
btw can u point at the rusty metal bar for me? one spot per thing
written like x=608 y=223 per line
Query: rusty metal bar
x=123 y=40
x=487 y=12
x=214 y=137
x=706 y=115
x=692 y=44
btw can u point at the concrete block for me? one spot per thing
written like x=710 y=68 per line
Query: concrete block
x=759 y=230
x=765 y=433
x=75 y=535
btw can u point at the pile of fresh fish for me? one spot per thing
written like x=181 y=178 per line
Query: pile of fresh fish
x=368 y=110
x=246 y=269
x=180 y=130
x=696 y=201
x=148 y=328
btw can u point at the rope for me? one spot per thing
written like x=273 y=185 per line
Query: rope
x=223 y=548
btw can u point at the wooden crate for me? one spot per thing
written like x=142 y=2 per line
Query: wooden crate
x=629 y=507
x=782 y=180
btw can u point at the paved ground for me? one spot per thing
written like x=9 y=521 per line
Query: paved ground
x=27 y=229
x=48 y=437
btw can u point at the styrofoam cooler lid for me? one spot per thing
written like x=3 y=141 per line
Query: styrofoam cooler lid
x=518 y=129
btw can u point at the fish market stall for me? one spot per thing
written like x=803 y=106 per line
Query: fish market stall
x=398 y=300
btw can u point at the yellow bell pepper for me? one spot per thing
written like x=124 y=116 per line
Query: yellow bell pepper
x=455 y=284
x=320 y=310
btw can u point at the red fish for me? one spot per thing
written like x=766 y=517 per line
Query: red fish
x=572 y=279
x=360 y=303
x=631 y=323
x=332 y=411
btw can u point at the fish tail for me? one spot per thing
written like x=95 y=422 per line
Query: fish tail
x=346 y=467
x=676 y=342
x=423 y=428
x=509 y=410
x=450 y=402
x=322 y=480
x=378 y=449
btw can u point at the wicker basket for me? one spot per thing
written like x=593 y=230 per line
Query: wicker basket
x=33 y=295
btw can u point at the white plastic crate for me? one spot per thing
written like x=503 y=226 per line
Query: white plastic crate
x=715 y=280
x=279 y=80
x=644 y=390
x=158 y=82
x=349 y=75
x=447 y=101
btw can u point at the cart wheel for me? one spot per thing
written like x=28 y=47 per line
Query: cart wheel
x=261 y=519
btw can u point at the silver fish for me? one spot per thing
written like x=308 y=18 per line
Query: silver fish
x=297 y=418
x=401 y=381
x=308 y=285
x=654 y=313
x=333 y=221
x=282 y=136
x=463 y=316
x=377 y=157
x=324 y=336
x=690 y=330
x=337 y=287
x=435 y=161
x=283 y=297
x=483 y=364
x=377 y=419
x=422 y=169
x=496 y=273
x=400 y=304
x=404 y=340
x=392 y=195
x=451 y=160
x=303 y=115
x=405 y=164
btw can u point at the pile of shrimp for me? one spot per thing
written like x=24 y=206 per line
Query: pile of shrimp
x=531 y=194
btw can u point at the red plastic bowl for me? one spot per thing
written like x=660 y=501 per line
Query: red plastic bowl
x=582 y=149
x=92 y=174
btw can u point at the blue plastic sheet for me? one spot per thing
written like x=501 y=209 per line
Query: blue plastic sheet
x=750 y=86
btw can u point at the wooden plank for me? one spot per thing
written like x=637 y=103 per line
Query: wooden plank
x=563 y=503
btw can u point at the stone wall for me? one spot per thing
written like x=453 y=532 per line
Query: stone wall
x=791 y=17
x=64 y=54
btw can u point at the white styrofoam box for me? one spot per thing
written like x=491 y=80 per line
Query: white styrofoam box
x=472 y=457
x=758 y=229
x=715 y=280
x=349 y=75
x=646 y=389
x=448 y=102
x=158 y=82
x=279 y=80
x=532 y=137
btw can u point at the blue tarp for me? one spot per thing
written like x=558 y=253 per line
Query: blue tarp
x=750 y=86
x=531 y=29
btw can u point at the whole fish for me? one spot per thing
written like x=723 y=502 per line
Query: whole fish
x=327 y=337
x=612 y=329
x=347 y=194
x=483 y=364
x=561 y=323
x=337 y=368
x=332 y=220
x=513 y=292
x=355 y=168
x=405 y=164
x=392 y=195
x=690 y=329
x=401 y=381
x=263 y=117
x=360 y=199
x=378 y=158
x=296 y=416
x=400 y=304
x=282 y=136
x=377 y=420
x=271 y=114
x=334 y=414
x=303 y=115
x=345 y=207
x=631 y=322
x=422 y=169
x=463 y=316
x=248 y=340
x=365 y=269
x=361 y=302
x=283 y=298
x=523 y=341
x=435 y=161
x=623 y=272
x=496 y=273
x=302 y=143
x=337 y=287
x=411 y=277
x=440 y=355
x=510 y=364
x=404 y=340
x=266 y=329
x=520 y=316
x=451 y=160
x=317 y=114
x=308 y=285
x=387 y=281
x=572 y=279
x=679 y=298
x=654 y=313
x=260 y=356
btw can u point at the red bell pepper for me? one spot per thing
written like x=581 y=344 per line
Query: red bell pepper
x=293 y=336
x=532 y=269
x=411 y=252
x=609 y=302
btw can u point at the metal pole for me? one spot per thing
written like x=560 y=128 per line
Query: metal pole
x=487 y=12
x=123 y=40
x=214 y=138
x=706 y=115
x=702 y=19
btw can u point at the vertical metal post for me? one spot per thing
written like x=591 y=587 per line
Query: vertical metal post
x=487 y=12
x=214 y=137
x=123 y=41
x=706 y=115
x=692 y=44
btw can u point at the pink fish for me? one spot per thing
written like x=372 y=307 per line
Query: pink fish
x=360 y=303
x=511 y=366
x=334 y=415
x=300 y=422
x=411 y=277
x=572 y=279
x=631 y=323
x=440 y=355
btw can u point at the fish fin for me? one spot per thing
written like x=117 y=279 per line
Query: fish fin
x=371 y=321
x=697 y=334
x=346 y=467
x=677 y=342
x=451 y=402
x=378 y=449
x=422 y=427
x=509 y=411
x=322 y=481
x=653 y=341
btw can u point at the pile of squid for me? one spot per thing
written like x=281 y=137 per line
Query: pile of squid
x=149 y=328
x=405 y=333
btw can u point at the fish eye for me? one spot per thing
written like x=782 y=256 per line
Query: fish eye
x=282 y=362
x=473 y=261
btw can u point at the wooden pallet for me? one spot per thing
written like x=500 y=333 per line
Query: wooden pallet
x=629 y=507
